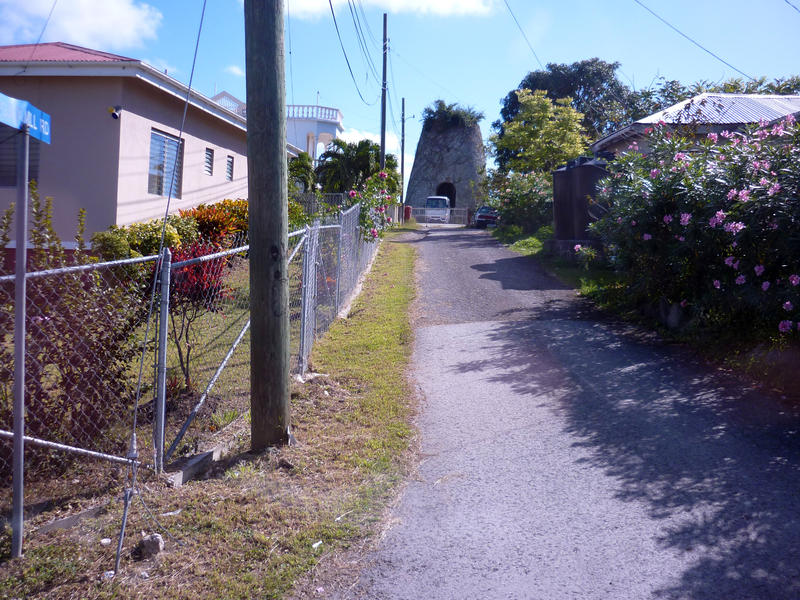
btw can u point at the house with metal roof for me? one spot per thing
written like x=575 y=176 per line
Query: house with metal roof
x=705 y=113
x=116 y=146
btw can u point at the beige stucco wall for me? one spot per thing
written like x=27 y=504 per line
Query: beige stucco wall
x=79 y=167
x=143 y=109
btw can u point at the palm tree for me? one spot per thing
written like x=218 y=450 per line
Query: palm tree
x=346 y=165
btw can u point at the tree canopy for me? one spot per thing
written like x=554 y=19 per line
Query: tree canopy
x=441 y=115
x=345 y=166
x=542 y=135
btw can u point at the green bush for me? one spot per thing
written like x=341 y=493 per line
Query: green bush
x=524 y=200
x=711 y=223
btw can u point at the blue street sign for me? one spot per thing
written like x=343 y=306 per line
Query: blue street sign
x=16 y=113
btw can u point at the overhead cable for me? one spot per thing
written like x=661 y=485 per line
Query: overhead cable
x=703 y=48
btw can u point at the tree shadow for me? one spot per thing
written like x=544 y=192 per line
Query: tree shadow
x=714 y=462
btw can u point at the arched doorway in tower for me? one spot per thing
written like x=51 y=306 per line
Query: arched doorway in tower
x=447 y=189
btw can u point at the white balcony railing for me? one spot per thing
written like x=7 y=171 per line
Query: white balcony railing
x=313 y=112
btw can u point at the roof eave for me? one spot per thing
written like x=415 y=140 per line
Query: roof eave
x=129 y=68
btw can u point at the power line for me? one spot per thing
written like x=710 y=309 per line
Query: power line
x=347 y=60
x=41 y=35
x=703 y=48
x=362 y=43
x=422 y=73
x=523 y=34
x=792 y=5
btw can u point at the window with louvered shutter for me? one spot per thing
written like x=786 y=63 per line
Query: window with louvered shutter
x=166 y=164
x=8 y=158
x=229 y=169
x=209 y=164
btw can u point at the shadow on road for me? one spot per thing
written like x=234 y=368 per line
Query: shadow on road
x=715 y=464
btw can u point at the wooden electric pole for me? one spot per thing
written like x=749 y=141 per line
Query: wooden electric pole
x=383 y=97
x=268 y=206
x=402 y=149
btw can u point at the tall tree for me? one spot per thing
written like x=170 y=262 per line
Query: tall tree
x=592 y=86
x=542 y=135
x=301 y=173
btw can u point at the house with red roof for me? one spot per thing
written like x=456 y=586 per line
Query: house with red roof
x=116 y=143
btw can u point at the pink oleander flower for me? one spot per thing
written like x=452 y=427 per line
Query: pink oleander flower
x=717 y=283
x=577 y=247
x=765 y=286
x=647 y=237
x=759 y=269
x=667 y=219
x=744 y=195
x=684 y=303
x=373 y=232
x=388 y=219
x=685 y=218
x=794 y=279
x=784 y=326
x=730 y=260
x=713 y=137
x=788 y=305
x=633 y=223
x=721 y=158
x=681 y=238
x=735 y=227
x=679 y=156
x=774 y=189
x=740 y=280
x=720 y=215
x=381 y=209
x=382 y=175
x=735 y=266
x=763 y=181
x=352 y=193
x=732 y=194
x=654 y=173
x=619 y=219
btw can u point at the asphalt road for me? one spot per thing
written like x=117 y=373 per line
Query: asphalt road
x=564 y=458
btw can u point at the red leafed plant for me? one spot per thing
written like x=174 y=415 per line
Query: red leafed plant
x=195 y=290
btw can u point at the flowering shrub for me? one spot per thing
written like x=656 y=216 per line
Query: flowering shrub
x=195 y=290
x=522 y=199
x=712 y=223
x=375 y=201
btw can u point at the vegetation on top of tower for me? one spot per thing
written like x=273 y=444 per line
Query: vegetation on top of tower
x=441 y=115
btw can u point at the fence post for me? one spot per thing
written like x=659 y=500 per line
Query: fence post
x=339 y=260
x=20 y=306
x=161 y=386
x=305 y=293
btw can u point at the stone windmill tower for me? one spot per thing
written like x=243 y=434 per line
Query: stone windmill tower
x=449 y=157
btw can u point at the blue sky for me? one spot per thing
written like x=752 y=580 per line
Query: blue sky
x=465 y=51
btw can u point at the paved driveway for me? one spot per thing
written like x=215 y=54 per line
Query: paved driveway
x=562 y=458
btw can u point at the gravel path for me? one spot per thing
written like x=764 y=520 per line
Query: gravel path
x=562 y=458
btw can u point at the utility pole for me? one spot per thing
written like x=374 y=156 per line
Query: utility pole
x=268 y=208
x=402 y=149
x=383 y=97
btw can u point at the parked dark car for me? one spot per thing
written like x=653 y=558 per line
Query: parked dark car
x=484 y=217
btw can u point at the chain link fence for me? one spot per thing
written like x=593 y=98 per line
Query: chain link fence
x=84 y=342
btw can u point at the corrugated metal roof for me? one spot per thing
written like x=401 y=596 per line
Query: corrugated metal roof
x=57 y=52
x=725 y=109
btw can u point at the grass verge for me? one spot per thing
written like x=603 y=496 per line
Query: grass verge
x=257 y=522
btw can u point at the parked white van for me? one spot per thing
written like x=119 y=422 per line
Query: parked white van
x=437 y=209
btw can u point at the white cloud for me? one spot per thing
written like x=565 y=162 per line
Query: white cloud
x=234 y=70
x=316 y=8
x=107 y=25
x=355 y=135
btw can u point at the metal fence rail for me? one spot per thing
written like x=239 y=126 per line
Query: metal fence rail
x=440 y=216
x=85 y=326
